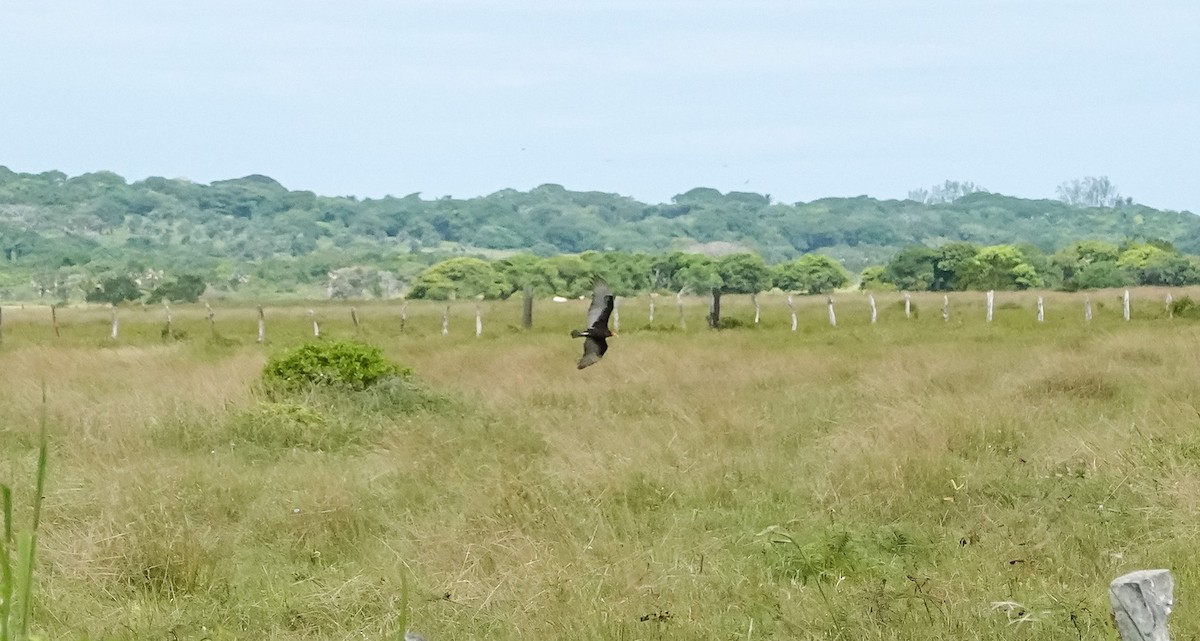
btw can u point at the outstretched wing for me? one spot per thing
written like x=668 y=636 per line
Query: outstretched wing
x=602 y=305
x=593 y=349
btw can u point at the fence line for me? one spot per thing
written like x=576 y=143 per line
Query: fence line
x=1170 y=304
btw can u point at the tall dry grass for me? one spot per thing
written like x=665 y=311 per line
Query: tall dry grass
x=910 y=480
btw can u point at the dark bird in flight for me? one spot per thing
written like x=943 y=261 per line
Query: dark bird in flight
x=595 y=337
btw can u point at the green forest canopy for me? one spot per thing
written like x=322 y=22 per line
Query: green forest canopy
x=60 y=236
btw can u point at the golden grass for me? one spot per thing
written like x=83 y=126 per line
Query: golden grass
x=922 y=471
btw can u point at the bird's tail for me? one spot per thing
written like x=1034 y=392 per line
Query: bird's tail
x=576 y=333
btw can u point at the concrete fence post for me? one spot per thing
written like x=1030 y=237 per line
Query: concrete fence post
x=1141 y=602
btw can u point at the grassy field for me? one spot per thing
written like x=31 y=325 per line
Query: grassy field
x=913 y=479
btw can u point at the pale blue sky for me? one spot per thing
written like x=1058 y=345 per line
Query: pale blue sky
x=797 y=99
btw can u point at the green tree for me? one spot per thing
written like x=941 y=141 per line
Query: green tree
x=566 y=275
x=873 y=279
x=573 y=276
x=811 y=274
x=952 y=259
x=912 y=269
x=1138 y=255
x=1089 y=264
x=699 y=274
x=1098 y=276
x=1150 y=264
x=743 y=274
x=1000 y=267
x=185 y=289
x=521 y=270
x=664 y=267
x=1037 y=258
x=1087 y=252
x=114 y=290
x=626 y=273
x=461 y=278
x=1172 y=269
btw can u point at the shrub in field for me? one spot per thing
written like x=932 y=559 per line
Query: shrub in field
x=329 y=396
x=296 y=426
x=732 y=323
x=342 y=364
x=402 y=395
x=1186 y=307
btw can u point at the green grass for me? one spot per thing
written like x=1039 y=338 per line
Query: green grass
x=908 y=480
x=18 y=551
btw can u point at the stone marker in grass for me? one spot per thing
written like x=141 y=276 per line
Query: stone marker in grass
x=1141 y=602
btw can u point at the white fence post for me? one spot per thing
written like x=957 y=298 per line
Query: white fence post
x=874 y=311
x=616 y=315
x=212 y=320
x=478 y=318
x=262 y=325
x=446 y=321
x=115 y=323
x=832 y=316
x=1126 y=305
x=653 y=297
x=907 y=305
x=792 y=307
x=1087 y=308
x=1041 y=310
x=757 y=309
x=1170 y=307
x=991 y=300
x=316 y=328
x=945 y=308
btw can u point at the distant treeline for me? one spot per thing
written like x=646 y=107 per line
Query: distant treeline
x=954 y=266
x=61 y=236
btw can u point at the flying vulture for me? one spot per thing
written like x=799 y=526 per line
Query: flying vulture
x=595 y=337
